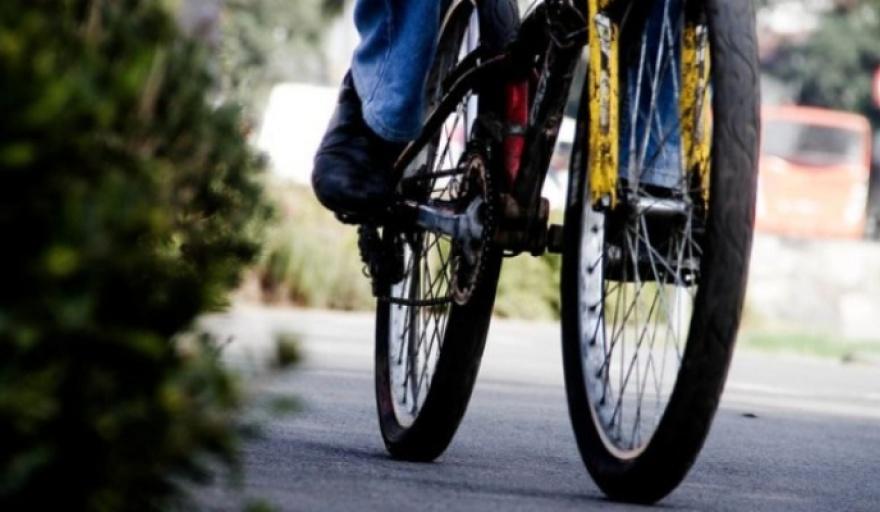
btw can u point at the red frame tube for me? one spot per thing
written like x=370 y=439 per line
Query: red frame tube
x=517 y=117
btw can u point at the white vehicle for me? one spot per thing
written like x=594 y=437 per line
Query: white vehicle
x=293 y=125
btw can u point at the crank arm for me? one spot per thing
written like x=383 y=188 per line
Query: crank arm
x=435 y=217
x=466 y=227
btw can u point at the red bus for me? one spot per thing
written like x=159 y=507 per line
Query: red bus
x=815 y=171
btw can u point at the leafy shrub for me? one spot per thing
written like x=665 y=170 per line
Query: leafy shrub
x=529 y=288
x=312 y=260
x=128 y=206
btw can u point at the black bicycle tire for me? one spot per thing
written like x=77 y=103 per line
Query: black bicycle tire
x=459 y=361
x=680 y=435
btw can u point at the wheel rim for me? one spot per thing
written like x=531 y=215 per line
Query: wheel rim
x=417 y=332
x=638 y=270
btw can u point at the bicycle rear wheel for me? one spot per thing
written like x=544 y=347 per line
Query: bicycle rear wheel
x=654 y=278
x=431 y=334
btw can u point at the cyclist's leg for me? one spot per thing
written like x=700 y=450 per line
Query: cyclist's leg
x=380 y=105
x=398 y=39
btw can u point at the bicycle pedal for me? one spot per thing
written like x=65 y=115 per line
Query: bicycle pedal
x=351 y=219
x=382 y=256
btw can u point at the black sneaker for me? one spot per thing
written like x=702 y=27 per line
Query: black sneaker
x=352 y=174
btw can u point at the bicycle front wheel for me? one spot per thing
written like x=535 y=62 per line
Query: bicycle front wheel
x=658 y=232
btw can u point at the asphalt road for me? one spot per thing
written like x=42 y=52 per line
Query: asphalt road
x=792 y=434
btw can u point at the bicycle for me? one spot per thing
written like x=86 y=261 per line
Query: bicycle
x=656 y=236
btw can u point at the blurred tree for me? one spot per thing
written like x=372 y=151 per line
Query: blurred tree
x=264 y=42
x=834 y=68
x=130 y=203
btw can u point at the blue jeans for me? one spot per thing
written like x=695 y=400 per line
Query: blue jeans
x=391 y=63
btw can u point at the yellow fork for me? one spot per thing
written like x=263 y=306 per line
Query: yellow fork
x=694 y=104
x=604 y=107
x=604 y=97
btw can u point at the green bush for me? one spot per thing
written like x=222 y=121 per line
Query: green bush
x=129 y=203
x=529 y=288
x=311 y=260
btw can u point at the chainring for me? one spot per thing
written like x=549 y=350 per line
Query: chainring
x=469 y=256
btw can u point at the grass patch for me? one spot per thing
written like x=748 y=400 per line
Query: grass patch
x=529 y=288
x=811 y=344
x=311 y=260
